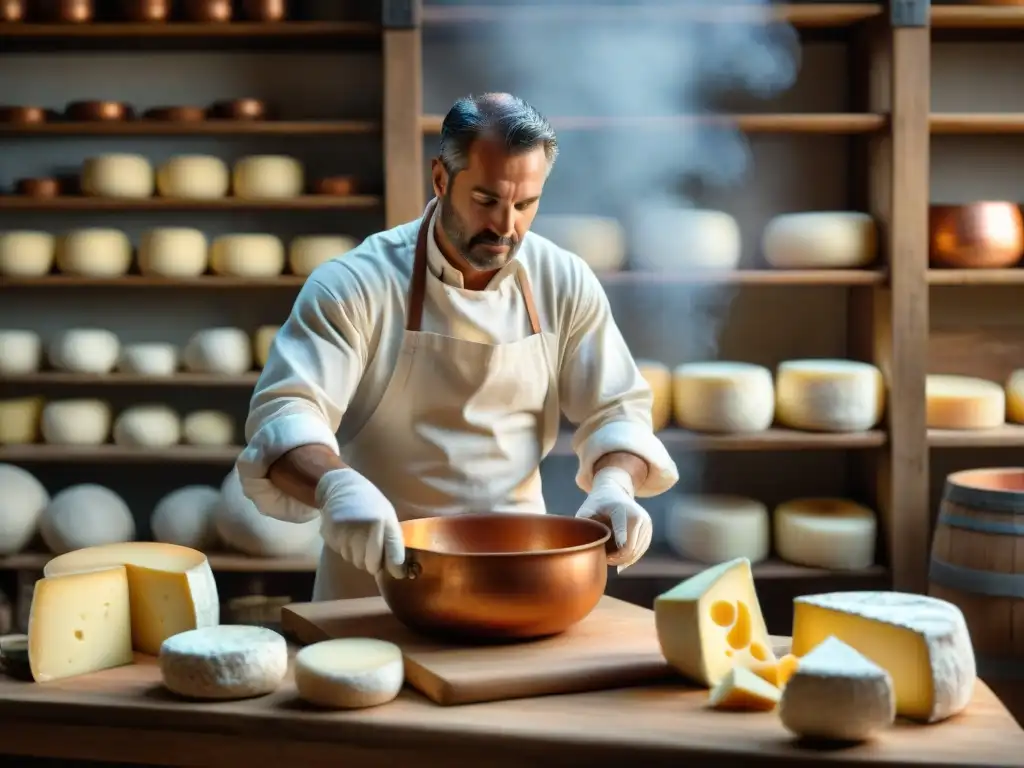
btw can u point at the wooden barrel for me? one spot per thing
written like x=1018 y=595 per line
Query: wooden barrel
x=977 y=563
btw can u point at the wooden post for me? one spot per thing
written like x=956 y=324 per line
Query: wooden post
x=403 y=137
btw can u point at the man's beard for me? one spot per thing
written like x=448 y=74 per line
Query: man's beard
x=478 y=258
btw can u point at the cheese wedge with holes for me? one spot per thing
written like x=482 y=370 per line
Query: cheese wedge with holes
x=712 y=622
x=742 y=690
x=964 y=402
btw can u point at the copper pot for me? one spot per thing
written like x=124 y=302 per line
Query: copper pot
x=13 y=10
x=498 y=576
x=208 y=10
x=98 y=111
x=982 y=235
x=42 y=187
x=24 y=115
x=239 y=109
x=176 y=114
x=146 y=10
x=340 y=186
x=265 y=10
x=66 y=11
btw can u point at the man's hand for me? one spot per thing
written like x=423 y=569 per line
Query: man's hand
x=611 y=502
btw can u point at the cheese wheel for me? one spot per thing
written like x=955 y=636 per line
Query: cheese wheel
x=715 y=528
x=82 y=421
x=84 y=350
x=19 y=420
x=307 y=252
x=173 y=252
x=820 y=240
x=1014 y=392
x=221 y=351
x=241 y=526
x=825 y=533
x=670 y=240
x=147 y=426
x=268 y=176
x=349 y=673
x=94 y=252
x=85 y=515
x=724 y=397
x=148 y=359
x=964 y=402
x=599 y=240
x=208 y=428
x=193 y=177
x=117 y=175
x=223 y=662
x=25 y=253
x=247 y=255
x=659 y=379
x=21 y=505
x=21 y=352
x=829 y=395
x=185 y=517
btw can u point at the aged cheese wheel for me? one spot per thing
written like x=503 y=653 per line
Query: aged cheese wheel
x=820 y=240
x=659 y=379
x=208 y=428
x=152 y=358
x=247 y=255
x=262 y=341
x=1014 y=392
x=723 y=396
x=84 y=350
x=94 y=252
x=829 y=395
x=21 y=352
x=173 y=252
x=82 y=421
x=241 y=526
x=85 y=515
x=964 y=402
x=21 y=505
x=25 y=253
x=147 y=426
x=307 y=252
x=268 y=176
x=671 y=240
x=825 y=533
x=223 y=351
x=185 y=517
x=599 y=240
x=715 y=529
x=20 y=420
x=349 y=673
x=118 y=175
x=193 y=177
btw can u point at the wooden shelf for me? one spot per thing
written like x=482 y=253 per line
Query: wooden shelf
x=976 y=276
x=117 y=454
x=662 y=565
x=84 y=203
x=976 y=124
x=130 y=380
x=142 y=127
x=226 y=562
x=977 y=17
x=1008 y=436
x=142 y=281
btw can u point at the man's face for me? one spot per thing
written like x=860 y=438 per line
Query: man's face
x=488 y=208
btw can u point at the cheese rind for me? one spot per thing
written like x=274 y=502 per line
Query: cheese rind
x=829 y=395
x=825 y=533
x=742 y=690
x=225 y=662
x=820 y=240
x=716 y=528
x=963 y=402
x=350 y=673
x=724 y=397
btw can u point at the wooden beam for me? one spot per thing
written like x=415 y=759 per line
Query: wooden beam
x=403 y=138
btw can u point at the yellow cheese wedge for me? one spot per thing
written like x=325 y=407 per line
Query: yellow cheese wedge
x=712 y=622
x=742 y=690
x=776 y=672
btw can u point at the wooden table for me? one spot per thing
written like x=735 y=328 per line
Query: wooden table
x=124 y=715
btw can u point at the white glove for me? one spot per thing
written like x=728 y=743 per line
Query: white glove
x=359 y=523
x=611 y=502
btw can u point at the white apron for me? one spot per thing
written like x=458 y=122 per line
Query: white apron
x=462 y=426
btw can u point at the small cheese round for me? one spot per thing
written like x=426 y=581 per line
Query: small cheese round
x=599 y=240
x=210 y=428
x=148 y=359
x=147 y=426
x=673 y=239
x=21 y=505
x=241 y=526
x=21 y=352
x=20 y=420
x=84 y=350
x=247 y=255
x=836 y=534
x=349 y=673
x=964 y=402
x=659 y=379
x=829 y=395
x=185 y=517
x=222 y=351
x=173 y=252
x=94 y=252
x=307 y=252
x=820 y=240
x=1014 y=391
x=268 y=176
x=26 y=253
x=118 y=175
x=227 y=661
x=723 y=396
x=80 y=421
x=85 y=515
x=262 y=341
x=713 y=529
x=193 y=177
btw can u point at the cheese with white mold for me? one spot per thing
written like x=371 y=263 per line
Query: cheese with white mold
x=230 y=661
x=716 y=528
x=824 y=395
x=723 y=397
x=964 y=402
x=836 y=534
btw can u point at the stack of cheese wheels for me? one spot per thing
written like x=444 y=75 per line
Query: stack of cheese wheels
x=241 y=526
x=85 y=515
x=723 y=397
x=193 y=177
x=21 y=352
x=147 y=426
x=173 y=252
x=671 y=240
x=259 y=177
x=153 y=358
x=1014 y=392
x=185 y=517
x=262 y=341
x=713 y=529
x=598 y=240
x=20 y=420
x=26 y=253
x=659 y=379
x=208 y=428
x=82 y=421
x=22 y=504
x=964 y=402
x=94 y=252
x=84 y=350
x=836 y=534
x=247 y=255
x=118 y=175
x=820 y=240
x=829 y=395
x=307 y=252
x=221 y=351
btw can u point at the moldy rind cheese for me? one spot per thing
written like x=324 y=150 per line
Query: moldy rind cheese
x=224 y=662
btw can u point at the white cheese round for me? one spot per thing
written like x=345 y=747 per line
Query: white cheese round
x=262 y=341
x=193 y=177
x=209 y=428
x=81 y=421
x=836 y=534
x=659 y=378
x=21 y=352
x=85 y=515
x=674 y=240
x=228 y=661
x=599 y=240
x=964 y=402
x=173 y=252
x=307 y=252
x=247 y=255
x=94 y=252
x=820 y=240
x=118 y=175
x=349 y=673
x=22 y=503
x=148 y=359
x=268 y=176
x=147 y=426
x=84 y=350
x=222 y=351
x=185 y=517
x=20 y=420
x=26 y=253
x=714 y=529
x=241 y=526
x=724 y=397
x=829 y=395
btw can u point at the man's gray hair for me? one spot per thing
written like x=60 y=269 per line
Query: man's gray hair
x=499 y=116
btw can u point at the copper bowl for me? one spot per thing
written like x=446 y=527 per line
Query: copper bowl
x=24 y=115
x=176 y=114
x=98 y=111
x=498 y=576
x=340 y=186
x=265 y=10
x=65 y=11
x=239 y=109
x=12 y=10
x=146 y=10
x=41 y=187
x=982 y=235
x=208 y=10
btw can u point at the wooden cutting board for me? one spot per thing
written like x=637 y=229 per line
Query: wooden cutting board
x=614 y=647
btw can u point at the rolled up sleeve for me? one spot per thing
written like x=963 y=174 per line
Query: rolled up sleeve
x=603 y=393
